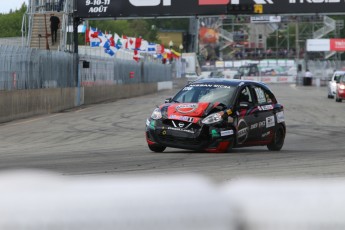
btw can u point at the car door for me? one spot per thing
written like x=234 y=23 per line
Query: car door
x=246 y=117
x=265 y=113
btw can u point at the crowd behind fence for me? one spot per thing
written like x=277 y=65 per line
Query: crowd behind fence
x=25 y=68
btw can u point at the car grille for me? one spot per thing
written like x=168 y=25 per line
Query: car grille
x=178 y=124
x=201 y=137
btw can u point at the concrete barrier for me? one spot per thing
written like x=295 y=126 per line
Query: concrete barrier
x=18 y=104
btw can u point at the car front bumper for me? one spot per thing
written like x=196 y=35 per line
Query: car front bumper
x=205 y=137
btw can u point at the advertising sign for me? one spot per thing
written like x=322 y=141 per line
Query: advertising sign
x=148 y=8
x=318 y=45
x=337 y=44
x=265 y=19
x=298 y=6
x=333 y=44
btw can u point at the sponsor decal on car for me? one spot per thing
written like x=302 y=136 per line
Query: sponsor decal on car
x=266 y=134
x=214 y=133
x=187 y=88
x=181 y=118
x=186 y=108
x=254 y=126
x=243 y=131
x=262 y=124
x=280 y=117
x=265 y=107
x=152 y=124
x=181 y=130
x=270 y=122
x=226 y=133
x=211 y=86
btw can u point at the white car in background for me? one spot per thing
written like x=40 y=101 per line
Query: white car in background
x=332 y=84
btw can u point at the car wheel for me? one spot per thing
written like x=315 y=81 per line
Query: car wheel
x=157 y=148
x=278 y=139
x=330 y=96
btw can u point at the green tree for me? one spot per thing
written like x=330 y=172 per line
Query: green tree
x=11 y=23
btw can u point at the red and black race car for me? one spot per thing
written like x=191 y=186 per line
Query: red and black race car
x=215 y=115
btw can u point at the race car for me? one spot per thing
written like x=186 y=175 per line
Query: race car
x=340 y=89
x=216 y=115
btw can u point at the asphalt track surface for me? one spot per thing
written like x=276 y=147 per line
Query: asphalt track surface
x=109 y=139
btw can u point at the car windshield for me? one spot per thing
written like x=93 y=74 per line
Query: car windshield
x=205 y=93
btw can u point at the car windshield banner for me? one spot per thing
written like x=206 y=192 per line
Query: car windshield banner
x=148 y=8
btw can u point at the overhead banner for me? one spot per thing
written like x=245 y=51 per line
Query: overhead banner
x=265 y=19
x=148 y=8
x=337 y=44
x=317 y=45
x=161 y=8
x=297 y=6
x=333 y=44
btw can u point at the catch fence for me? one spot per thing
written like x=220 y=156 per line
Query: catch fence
x=26 y=68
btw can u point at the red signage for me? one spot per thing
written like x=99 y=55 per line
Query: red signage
x=214 y=2
x=337 y=44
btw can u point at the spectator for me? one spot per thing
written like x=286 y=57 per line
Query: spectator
x=308 y=77
x=54 y=26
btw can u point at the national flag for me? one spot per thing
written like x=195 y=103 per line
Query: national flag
x=124 y=41
x=131 y=43
x=152 y=48
x=93 y=37
x=160 y=49
x=111 y=40
x=175 y=54
x=144 y=45
x=102 y=37
x=109 y=51
x=137 y=43
x=87 y=36
x=136 y=56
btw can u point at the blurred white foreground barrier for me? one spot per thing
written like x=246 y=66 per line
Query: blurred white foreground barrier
x=39 y=200
x=44 y=201
x=288 y=204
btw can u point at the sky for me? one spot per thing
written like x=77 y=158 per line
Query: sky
x=6 y=5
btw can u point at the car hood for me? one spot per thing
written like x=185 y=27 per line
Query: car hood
x=184 y=111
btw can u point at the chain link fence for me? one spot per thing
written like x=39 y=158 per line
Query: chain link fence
x=26 y=68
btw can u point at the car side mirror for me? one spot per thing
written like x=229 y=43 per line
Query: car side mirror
x=168 y=100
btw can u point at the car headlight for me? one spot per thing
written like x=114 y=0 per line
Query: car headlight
x=156 y=114
x=342 y=86
x=213 y=118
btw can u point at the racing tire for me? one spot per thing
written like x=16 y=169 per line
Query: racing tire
x=157 y=148
x=278 y=139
